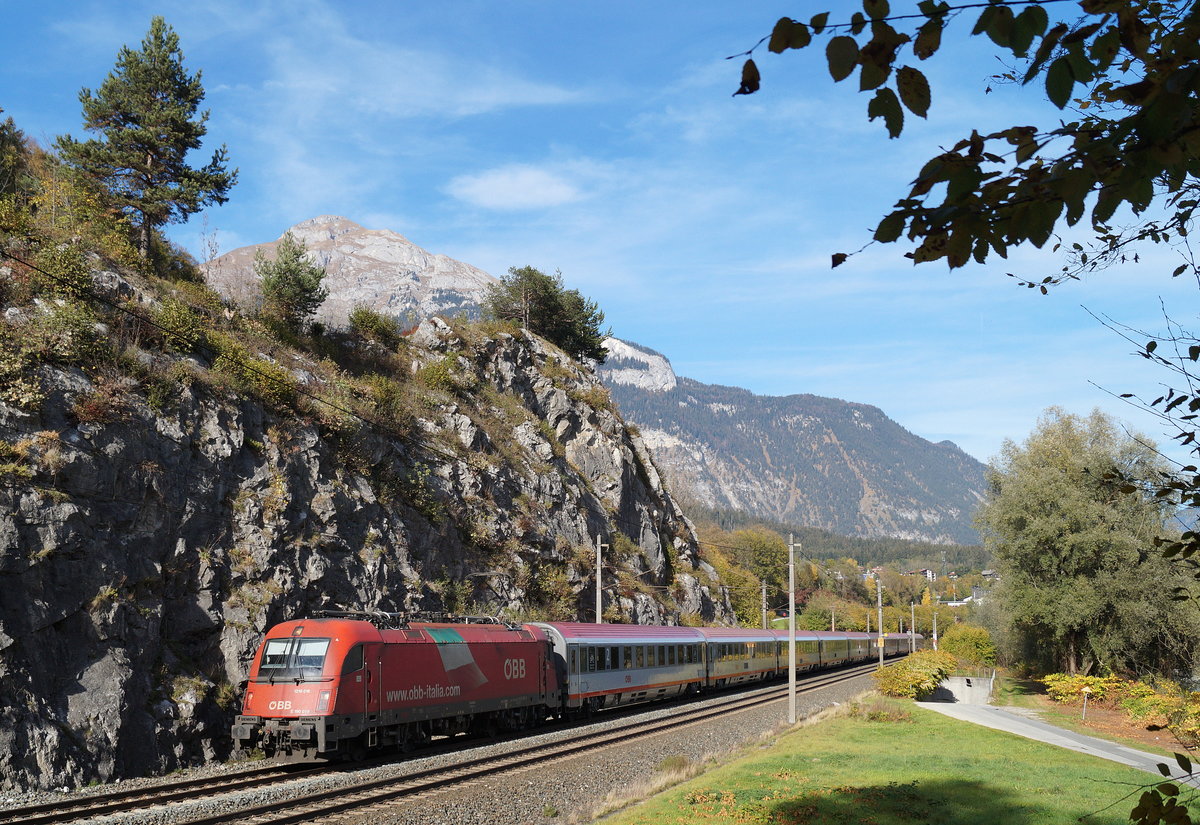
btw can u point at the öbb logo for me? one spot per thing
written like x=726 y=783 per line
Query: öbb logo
x=281 y=704
x=514 y=668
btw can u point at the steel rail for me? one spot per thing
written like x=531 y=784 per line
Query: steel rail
x=128 y=799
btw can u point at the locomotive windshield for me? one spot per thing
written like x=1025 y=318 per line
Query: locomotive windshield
x=292 y=658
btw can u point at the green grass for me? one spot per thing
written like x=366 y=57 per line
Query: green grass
x=923 y=768
x=1021 y=693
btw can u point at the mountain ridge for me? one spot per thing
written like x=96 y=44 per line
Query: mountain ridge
x=785 y=457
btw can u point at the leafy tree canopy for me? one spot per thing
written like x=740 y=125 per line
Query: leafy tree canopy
x=542 y=305
x=1128 y=71
x=291 y=284
x=1081 y=582
x=146 y=113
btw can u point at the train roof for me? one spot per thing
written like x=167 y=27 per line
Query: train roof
x=737 y=634
x=583 y=632
x=360 y=630
x=801 y=636
x=842 y=634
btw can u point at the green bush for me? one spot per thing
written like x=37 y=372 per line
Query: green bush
x=267 y=381
x=969 y=644
x=375 y=326
x=443 y=375
x=69 y=272
x=1069 y=689
x=184 y=327
x=917 y=675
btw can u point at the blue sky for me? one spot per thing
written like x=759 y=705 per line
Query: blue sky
x=602 y=139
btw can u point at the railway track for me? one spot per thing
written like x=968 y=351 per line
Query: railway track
x=73 y=810
x=360 y=797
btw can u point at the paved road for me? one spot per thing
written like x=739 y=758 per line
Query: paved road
x=1013 y=721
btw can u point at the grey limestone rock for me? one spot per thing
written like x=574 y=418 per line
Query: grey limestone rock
x=143 y=557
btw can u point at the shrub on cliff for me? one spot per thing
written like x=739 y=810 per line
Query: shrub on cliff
x=541 y=304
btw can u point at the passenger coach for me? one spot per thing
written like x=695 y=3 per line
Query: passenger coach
x=605 y=665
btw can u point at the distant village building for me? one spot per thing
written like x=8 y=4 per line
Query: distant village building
x=928 y=574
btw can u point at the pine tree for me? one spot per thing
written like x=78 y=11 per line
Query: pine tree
x=291 y=285
x=146 y=114
x=542 y=305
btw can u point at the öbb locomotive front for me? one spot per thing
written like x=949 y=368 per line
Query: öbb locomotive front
x=340 y=685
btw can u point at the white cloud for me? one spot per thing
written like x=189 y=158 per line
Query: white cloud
x=355 y=74
x=512 y=187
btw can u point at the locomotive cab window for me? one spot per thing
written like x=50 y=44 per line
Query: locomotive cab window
x=293 y=658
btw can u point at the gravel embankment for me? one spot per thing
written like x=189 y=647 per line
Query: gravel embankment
x=563 y=792
x=574 y=789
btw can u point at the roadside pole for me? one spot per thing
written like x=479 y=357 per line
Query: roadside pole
x=791 y=629
x=764 y=604
x=879 y=607
x=600 y=548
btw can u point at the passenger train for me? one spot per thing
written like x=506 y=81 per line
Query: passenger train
x=347 y=683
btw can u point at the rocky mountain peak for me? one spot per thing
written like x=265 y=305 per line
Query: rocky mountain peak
x=376 y=268
x=326 y=228
x=633 y=365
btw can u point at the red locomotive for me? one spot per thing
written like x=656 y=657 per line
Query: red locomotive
x=345 y=683
x=339 y=684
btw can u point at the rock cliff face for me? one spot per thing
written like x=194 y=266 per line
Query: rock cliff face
x=148 y=541
x=799 y=459
x=378 y=269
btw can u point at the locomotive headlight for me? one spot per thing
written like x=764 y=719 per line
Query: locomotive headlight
x=249 y=703
x=323 y=700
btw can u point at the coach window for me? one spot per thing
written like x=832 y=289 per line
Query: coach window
x=591 y=659
x=628 y=657
x=614 y=658
x=640 y=656
x=670 y=654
